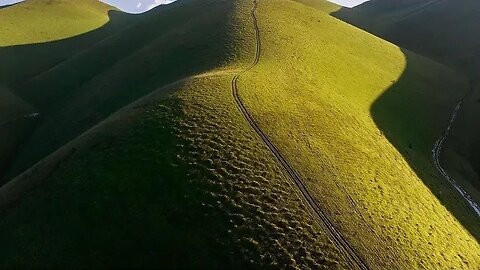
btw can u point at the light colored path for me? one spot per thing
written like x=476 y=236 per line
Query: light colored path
x=436 y=153
x=353 y=258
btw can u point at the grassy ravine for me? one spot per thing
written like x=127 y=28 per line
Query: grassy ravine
x=336 y=75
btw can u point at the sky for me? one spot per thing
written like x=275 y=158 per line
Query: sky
x=139 y=6
x=136 y=6
x=346 y=3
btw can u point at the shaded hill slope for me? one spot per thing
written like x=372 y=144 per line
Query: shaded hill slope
x=30 y=46
x=447 y=31
x=79 y=92
x=37 y=21
x=444 y=30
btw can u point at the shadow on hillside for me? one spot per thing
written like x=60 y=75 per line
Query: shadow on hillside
x=77 y=82
x=428 y=29
x=397 y=112
x=20 y=62
x=404 y=108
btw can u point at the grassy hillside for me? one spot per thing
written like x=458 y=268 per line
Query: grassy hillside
x=445 y=30
x=77 y=93
x=37 y=21
x=175 y=180
x=175 y=177
x=42 y=22
x=357 y=117
x=35 y=36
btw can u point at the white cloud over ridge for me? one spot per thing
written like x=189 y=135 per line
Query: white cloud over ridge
x=136 y=6
x=349 y=3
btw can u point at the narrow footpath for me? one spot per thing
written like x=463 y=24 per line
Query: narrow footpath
x=436 y=153
x=353 y=258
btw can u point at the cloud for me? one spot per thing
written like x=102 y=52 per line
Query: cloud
x=159 y=2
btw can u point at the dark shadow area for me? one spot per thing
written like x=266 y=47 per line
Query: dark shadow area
x=461 y=155
x=77 y=82
x=445 y=31
x=122 y=198
x=22 y=62
x=403 y=112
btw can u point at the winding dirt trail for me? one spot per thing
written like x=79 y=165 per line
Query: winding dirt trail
x=353 y=258
x=436 y=153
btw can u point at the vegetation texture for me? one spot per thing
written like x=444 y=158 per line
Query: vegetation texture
x=447 y=31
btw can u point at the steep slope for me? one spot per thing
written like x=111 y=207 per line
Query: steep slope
x=34 y=37
x=175 y=180
x=37 y=21
x=447 y=31
x=17 y=119
x=77 y=93
x=43 y=22
x=357 y=118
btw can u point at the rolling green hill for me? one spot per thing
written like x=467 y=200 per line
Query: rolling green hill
x=78 y=92
x=143 y=157
x=36 y=21
x=35 y=38
x=447 y=31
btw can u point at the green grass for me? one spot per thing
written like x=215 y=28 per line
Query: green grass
x=35 y=36
x=325 y=6
x=345 y=108
x=37 y=21
x=95 y=82
x=174 y=180
x=151 y=167
x=444 y=31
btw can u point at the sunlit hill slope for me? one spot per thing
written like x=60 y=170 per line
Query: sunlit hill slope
x=445 y=30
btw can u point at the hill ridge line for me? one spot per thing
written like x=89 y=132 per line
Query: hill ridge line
x=351 y=255
x=14 y=189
